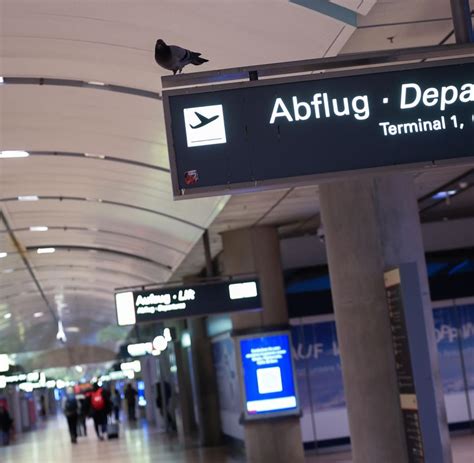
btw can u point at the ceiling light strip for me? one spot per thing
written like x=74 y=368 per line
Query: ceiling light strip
x=62 y=247
x=12 y=80
x=66 y=228
x=104 y=201
x=88 y=268
x=98 y=157
x=28 y=266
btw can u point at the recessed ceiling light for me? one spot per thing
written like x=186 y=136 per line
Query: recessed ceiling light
x=28 y=198
x=13 y=154
x=45 y=250
x=39 y=228
x=1 y=80
x=444 y=194
x=72 y=329
x=92 y=155
x=95 y=82
x=3 y=254
x=7 y=316
x=38 y=314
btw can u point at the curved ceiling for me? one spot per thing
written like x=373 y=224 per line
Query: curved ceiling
x=81 y=93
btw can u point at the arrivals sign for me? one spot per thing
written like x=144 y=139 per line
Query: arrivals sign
x=187 y=301
x=271 y=133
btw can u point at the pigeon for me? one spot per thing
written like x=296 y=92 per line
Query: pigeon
x=175 y=58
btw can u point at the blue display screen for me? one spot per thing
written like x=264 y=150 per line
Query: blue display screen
x=268 y=374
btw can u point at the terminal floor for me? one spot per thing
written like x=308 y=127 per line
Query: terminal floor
x=50 y=444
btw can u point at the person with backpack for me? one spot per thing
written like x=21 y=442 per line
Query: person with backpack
x=99 y=410
x=70 y=410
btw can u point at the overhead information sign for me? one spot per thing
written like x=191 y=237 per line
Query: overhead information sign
x=268 y=134
x=186 y=301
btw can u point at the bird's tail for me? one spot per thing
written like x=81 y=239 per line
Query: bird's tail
x=197 y=60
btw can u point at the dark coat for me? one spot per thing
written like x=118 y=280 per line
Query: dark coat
x=5 y=421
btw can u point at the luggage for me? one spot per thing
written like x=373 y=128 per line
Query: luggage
x=113 y=430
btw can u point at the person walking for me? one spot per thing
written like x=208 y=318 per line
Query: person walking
x=130 y=396
x=70 y=410
x=99 y=411
x=117 y=404
x=164 y=408
x=5 y=425
x=83 y=413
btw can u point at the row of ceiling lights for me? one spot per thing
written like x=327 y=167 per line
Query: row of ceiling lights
x=39 y=251
x=8 y=315
x=22 y=154
x=12 y=154
x=38 y=228
x=90 y=82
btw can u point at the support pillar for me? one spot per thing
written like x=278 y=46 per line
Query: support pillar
x=207 y=410
x=462 y=21
x=257 y=250
x=149 y=376
x=372 y=224
x=186 y=421
x=209 y=422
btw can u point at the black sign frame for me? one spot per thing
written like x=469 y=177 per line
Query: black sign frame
x=213 y=292
x=310 y=179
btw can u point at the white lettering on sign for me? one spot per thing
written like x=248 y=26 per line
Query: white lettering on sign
x=186 y=295
x=153 y=299
x=266 y=355
x=451 y=334
x=412 y=95
x=413 y=127
x=166 y=302
x=322 y=106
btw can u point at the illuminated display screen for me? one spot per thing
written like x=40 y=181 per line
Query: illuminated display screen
x=246 y=136
x=186 y=301
x=268 y=375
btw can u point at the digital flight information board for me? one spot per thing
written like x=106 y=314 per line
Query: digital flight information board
x=270 y=133
x=267 y=372
x=187 y=301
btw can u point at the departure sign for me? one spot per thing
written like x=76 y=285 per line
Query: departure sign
x=261 y=134
x=268 y=375
x=186 y=301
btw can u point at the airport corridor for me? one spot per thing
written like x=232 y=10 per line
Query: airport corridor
x=140 y=444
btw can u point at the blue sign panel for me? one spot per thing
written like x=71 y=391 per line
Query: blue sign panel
x=268 y=376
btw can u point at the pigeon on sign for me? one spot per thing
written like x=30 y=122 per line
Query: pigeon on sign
x=175 y=58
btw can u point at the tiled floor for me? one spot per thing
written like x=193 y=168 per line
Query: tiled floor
x=50 y=444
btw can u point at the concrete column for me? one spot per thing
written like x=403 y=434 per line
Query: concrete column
x=372 y=224
x=185 y=420
x=16 y=409
x=208 y=416
x=149 y=375
x=257 y=250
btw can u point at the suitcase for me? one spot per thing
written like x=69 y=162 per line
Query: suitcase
x=113 y=430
